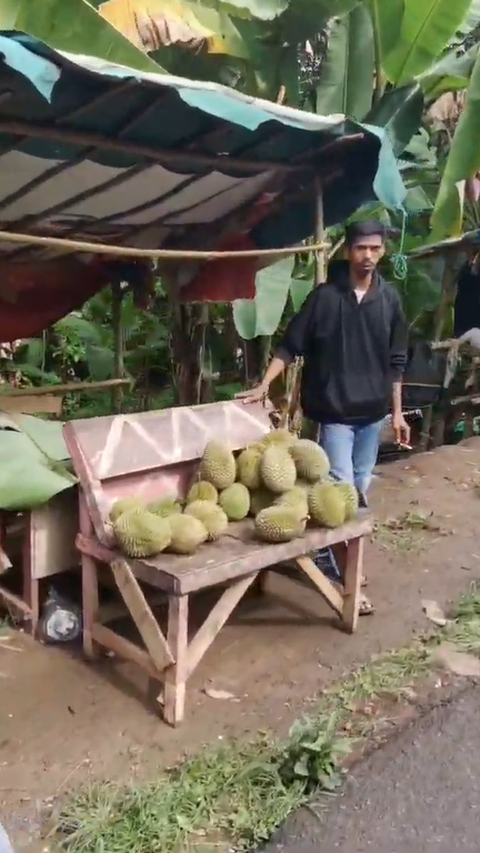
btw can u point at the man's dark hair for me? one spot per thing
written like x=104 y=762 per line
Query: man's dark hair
x=367 y=228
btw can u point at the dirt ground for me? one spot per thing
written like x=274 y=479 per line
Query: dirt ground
x=64 y=722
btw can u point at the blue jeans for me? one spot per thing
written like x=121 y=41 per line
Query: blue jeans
x=352 y=452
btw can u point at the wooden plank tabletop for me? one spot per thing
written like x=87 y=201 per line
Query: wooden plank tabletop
x=236 y=554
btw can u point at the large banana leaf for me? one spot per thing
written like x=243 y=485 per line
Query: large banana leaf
x=262 y=315
x=450 y=74
x=346 y=80
x=153 y=24
x=73 y=26
x=400 y=112
x=426 y=28
x=32 y=462
x=463 y=162
x=263 y=10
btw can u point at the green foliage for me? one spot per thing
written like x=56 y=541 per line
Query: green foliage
x=463 y=162
x=51 y=21
x=313 y=754
x=348 y=69
x=414 y=36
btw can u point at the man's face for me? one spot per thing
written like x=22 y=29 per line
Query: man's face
x=365 y=253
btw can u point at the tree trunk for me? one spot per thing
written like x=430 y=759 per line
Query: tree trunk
x=187 y=340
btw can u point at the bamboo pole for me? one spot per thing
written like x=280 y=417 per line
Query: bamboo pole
x=319 y=235
x=185 y=159
x=117 y=390
x=66 y=388
x=129 y=251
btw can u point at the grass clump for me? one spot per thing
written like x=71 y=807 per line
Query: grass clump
x=234 y=797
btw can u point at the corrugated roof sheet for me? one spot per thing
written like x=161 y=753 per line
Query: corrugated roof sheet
x=105 y=153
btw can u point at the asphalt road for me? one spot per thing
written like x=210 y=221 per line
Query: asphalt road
x=418 y=794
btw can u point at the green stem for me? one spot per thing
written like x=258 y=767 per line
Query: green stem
x=380 y=79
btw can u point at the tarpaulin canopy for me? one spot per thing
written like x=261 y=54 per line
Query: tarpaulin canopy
x=105 y=153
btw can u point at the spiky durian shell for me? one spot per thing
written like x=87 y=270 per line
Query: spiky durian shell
x=280 y=523
x=326 y=505
x=281 y=436
x=350 y=496
x=310 y=459
x=188 y=533
x=124 y=505
x=218 y=465
x=141 y=534
x=202 y=491
x=211 y=515
x=260 y=499
x=278 y=469
x=235 y=501
x=296 y=497
x=164 y=507
x=248 y=467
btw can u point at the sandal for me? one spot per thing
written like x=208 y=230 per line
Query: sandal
x=366 y=608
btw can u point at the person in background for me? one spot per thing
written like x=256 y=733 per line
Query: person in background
x=466 y=309
x=352 y=335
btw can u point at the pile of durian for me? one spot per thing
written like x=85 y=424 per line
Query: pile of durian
x=281 y=480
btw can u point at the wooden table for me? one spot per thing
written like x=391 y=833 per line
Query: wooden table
x=231 y=564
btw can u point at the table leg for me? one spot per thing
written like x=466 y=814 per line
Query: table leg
x=352 y=583
x=90 y=602
x=176 y=674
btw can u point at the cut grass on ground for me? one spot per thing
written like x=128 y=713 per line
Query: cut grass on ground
x=234 y=797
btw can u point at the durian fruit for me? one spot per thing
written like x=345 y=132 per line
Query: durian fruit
x=141 y=534
x=164 y=507
x=187 y=534
x=302 y=484
x=211 y=515
x=310 y=459
x=235 y=501
x=260 y=499
x=202 y=491
x=281 y=436
x=350 y=496
x=326 y=505
x=296 y=497
x=218 y=465
x=123 y=505
x=248 y=467
x=280 y=523
x=256 y=445
x=278 y=469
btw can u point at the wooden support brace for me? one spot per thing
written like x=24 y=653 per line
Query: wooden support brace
x=327 y=590
x=142 y=615
x=215 y=621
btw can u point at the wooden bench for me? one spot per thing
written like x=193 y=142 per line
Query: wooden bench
x=156 y=453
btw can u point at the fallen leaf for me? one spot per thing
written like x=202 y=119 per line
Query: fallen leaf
x=219 y=694
x=434 y=612
x=460 y=663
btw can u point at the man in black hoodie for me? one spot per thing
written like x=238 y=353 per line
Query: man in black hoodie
x=352 y=335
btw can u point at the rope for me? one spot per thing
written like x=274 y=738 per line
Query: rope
x=399 y=259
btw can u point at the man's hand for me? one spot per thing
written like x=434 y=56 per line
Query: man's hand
x=401 y=430
x=254 y=395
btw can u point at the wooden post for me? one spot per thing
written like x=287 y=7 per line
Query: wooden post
x=117 y=393
x=319 y=235
x=448 y=287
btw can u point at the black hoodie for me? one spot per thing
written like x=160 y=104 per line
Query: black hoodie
x=353 y=351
